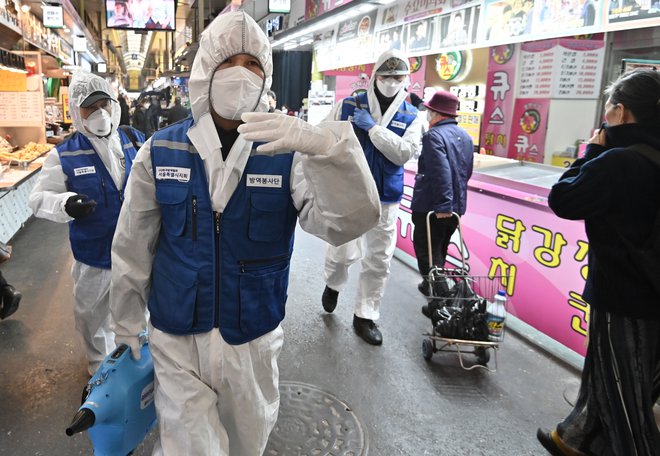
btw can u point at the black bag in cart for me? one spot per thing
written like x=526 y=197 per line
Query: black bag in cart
x=646 y=259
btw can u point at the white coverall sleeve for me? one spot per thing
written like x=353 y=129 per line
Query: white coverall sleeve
x=49 y=194
x=334 y=193
x=397 y=149
x=133 y=248
x=335 y=114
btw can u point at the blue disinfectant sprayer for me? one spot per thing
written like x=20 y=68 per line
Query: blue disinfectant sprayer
x=118 y=403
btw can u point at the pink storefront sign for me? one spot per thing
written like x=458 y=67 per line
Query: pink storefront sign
x=498 y=110
x=513 y=234
x=530 y=124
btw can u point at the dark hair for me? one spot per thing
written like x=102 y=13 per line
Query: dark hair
x=639 y=91
x=272 y=94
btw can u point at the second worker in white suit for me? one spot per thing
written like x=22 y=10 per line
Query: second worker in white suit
x=389 y=133
x=206 y=236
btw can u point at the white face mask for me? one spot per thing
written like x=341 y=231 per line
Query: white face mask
x=236 y=90
x=389 y=87
x=99 y=122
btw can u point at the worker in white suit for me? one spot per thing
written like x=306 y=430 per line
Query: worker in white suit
x=81 y=183
x=206 y=237
x=389 y=132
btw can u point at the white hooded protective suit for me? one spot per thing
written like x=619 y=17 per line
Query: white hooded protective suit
x=90 y=284
x=213 y=398
x=376 y=246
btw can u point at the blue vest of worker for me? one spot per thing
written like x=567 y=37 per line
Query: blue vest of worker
x=226 y=270
x=91 y=236
x=388 y=176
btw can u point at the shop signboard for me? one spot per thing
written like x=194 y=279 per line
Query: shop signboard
x=388 y=39
x=279 y=6
x=528 y=129
x=498 y=110
x=64 y=99
x=563 y=68
x=528 y=20
x=470 y=122
x=315 y=8
x=628 y=11
x=543 y=259
x=53 y=16
x=360 y=26
x=417 y=75
x=580 y=64
x=458 y=28
x=420 y=35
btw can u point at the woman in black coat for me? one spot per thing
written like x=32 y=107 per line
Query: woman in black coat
x=615 y=189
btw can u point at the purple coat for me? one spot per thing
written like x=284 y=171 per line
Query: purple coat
x=443 y=169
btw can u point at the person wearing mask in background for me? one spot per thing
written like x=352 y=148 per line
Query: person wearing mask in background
x=443 y=170
x=81 y=183
x=205 y=239
x=9 y=298
x=615 y=189
x=389 y=131
x=177 y=112
x=140 y=117
x=125 y=118
x=272 y=101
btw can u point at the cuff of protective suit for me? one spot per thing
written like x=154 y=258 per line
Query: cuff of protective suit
x=62 y=204
x=134 y=342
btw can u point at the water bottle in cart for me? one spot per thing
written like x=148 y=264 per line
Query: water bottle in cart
x=495 y=316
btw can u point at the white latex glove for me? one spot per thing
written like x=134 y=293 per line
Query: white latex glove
x=283 y=133
x=135 y=342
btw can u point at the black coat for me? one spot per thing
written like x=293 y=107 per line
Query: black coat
x=616 y=192
x=176 y=113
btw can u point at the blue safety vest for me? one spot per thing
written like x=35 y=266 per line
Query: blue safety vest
x=226 y=270
x=388 y=176
x=91 y=236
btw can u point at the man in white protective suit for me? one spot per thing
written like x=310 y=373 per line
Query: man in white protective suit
x=82 y=182
x=206 y=237
x=390 y=133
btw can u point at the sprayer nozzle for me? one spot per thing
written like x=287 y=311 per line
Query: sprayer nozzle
x=83 y=420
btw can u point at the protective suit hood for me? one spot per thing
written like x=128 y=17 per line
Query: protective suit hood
x=82 y=85
x=400 y=96
x=228 y=35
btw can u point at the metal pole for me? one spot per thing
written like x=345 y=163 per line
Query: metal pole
x=200 y=18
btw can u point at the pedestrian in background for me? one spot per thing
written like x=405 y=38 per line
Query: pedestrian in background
x=615 y=189
x=177 y=112
x=443 y=170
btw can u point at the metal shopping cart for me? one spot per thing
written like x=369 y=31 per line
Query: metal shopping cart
x=458 y=308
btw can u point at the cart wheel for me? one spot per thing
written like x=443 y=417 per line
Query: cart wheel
x=483 y=355
x=427 y=349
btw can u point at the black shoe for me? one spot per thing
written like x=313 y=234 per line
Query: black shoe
x=545 y=437
x=367 y=330
x=9 y=299
x=329 y=299
x=424 y=288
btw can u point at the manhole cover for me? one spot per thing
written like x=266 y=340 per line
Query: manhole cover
x=312 y=422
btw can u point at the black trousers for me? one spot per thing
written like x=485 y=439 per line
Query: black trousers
x=441 y=232
x=3 y=282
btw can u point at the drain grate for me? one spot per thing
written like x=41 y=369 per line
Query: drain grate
x=313 y=422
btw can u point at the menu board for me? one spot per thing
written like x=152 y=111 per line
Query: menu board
x=580 y=64
x=563 y=68
x=537 y=60
x=20 y=107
